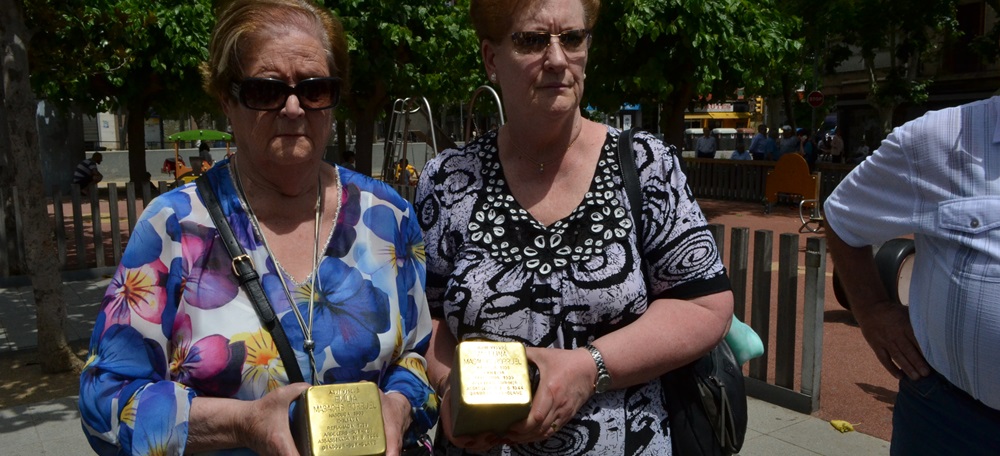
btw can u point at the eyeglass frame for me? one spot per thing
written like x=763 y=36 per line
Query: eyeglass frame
x=585 y=44
x=236 y=89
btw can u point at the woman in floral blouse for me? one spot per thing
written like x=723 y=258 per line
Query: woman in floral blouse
x=179 y=360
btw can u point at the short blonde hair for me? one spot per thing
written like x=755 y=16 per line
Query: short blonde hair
x=493 y=19
x=244 y=22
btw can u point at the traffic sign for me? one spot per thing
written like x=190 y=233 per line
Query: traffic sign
x=815 y=98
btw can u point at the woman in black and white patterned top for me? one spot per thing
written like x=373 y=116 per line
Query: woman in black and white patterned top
x=529 y=238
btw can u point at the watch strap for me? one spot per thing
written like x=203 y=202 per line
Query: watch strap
x=602 y=370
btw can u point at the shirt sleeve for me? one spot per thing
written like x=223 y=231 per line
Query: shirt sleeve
x=408 y=374
x=128 y=405
x=682 y=258
x=439 y=247
x=876 y=201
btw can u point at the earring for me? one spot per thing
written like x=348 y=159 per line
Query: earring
x=493 y=77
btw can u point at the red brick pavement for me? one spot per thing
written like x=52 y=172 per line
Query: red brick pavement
x=854 y=386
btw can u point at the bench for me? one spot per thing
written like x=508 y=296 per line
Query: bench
x=790 y=181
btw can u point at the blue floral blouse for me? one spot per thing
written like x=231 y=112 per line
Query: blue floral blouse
x=175 y=324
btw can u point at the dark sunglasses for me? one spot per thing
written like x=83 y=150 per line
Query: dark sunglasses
x=536 y=42
x=266 y=94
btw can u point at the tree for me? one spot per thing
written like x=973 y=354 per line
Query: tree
x=19 y=106
x=909 y=33
x=670 y=52
x=402 y=49
x=102 y=55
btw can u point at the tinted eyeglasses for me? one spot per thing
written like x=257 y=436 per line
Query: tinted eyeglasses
x=266 y=94
x=536 y=42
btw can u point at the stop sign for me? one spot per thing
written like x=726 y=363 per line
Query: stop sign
x=815 y=98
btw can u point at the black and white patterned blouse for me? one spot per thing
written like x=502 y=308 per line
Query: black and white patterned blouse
x=494 y=272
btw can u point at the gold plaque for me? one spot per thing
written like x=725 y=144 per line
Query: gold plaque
x=490 y=387
x=343 y=419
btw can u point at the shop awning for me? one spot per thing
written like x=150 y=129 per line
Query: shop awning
x=716 y=115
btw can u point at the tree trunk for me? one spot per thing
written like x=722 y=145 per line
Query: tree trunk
x=341 y=141
x=54 y=352
x=786 y=96
x=137 y=142
x=365 y=109
x=672 y=114
x=365 y=138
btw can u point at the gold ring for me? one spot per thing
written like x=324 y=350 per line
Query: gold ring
x=554 y=426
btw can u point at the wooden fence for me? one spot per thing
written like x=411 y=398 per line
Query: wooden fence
x=740 y=180
x=780 y=388
x=90 y=230
x=86 y=245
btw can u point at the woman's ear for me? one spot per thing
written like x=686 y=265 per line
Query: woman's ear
x=488 y=51
x=226 y=104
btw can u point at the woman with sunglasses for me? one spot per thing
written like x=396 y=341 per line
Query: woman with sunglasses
x=529 y=238
x=180 y=361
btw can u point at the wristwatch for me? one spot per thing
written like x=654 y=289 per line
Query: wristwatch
x=603 y=376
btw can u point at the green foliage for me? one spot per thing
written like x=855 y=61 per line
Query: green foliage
x=645 y=50
x=894 y=39
x=406 y=48
x=105 y=54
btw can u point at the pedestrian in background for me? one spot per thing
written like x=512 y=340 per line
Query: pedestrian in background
x=935 y=179
x=837 y=147
x=771 y=145
x=205 y=153
x=741 y=153
x=86 y=172
x=789 y=143
x=349 y=161
x=757 y=143
x=706 y=145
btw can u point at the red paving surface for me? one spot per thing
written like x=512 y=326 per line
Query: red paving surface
x=854 y=386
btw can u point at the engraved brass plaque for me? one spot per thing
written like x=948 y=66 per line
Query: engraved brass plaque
x=339 y=420
x=490 y=387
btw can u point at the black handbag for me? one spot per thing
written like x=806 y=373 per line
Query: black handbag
x=706 y=400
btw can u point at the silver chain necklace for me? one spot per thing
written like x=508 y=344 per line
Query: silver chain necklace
x=308 y=345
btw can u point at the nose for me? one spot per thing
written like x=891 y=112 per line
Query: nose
x=555 y=55
x=292 y=108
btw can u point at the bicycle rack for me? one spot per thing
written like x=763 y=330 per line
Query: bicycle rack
x=472 y=103
x=397 y=136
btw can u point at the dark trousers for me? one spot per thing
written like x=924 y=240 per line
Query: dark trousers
x=934 y=417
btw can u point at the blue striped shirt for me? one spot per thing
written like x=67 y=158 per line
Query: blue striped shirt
x=938 y=177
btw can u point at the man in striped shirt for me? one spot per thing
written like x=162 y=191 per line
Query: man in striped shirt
x=86 y=172
x=937 y=179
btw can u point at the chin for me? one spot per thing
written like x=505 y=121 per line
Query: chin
x=283 y=154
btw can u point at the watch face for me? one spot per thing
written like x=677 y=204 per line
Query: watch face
x=603 y=382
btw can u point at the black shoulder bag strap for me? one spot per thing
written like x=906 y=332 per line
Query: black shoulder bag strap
x=630 y=177
x=692 y=422
x=246 y=274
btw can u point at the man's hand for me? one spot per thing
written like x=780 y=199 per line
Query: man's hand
x=886 y=327
x=884 y=324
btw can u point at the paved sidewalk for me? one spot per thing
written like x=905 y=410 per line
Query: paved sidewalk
x=53 y=427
